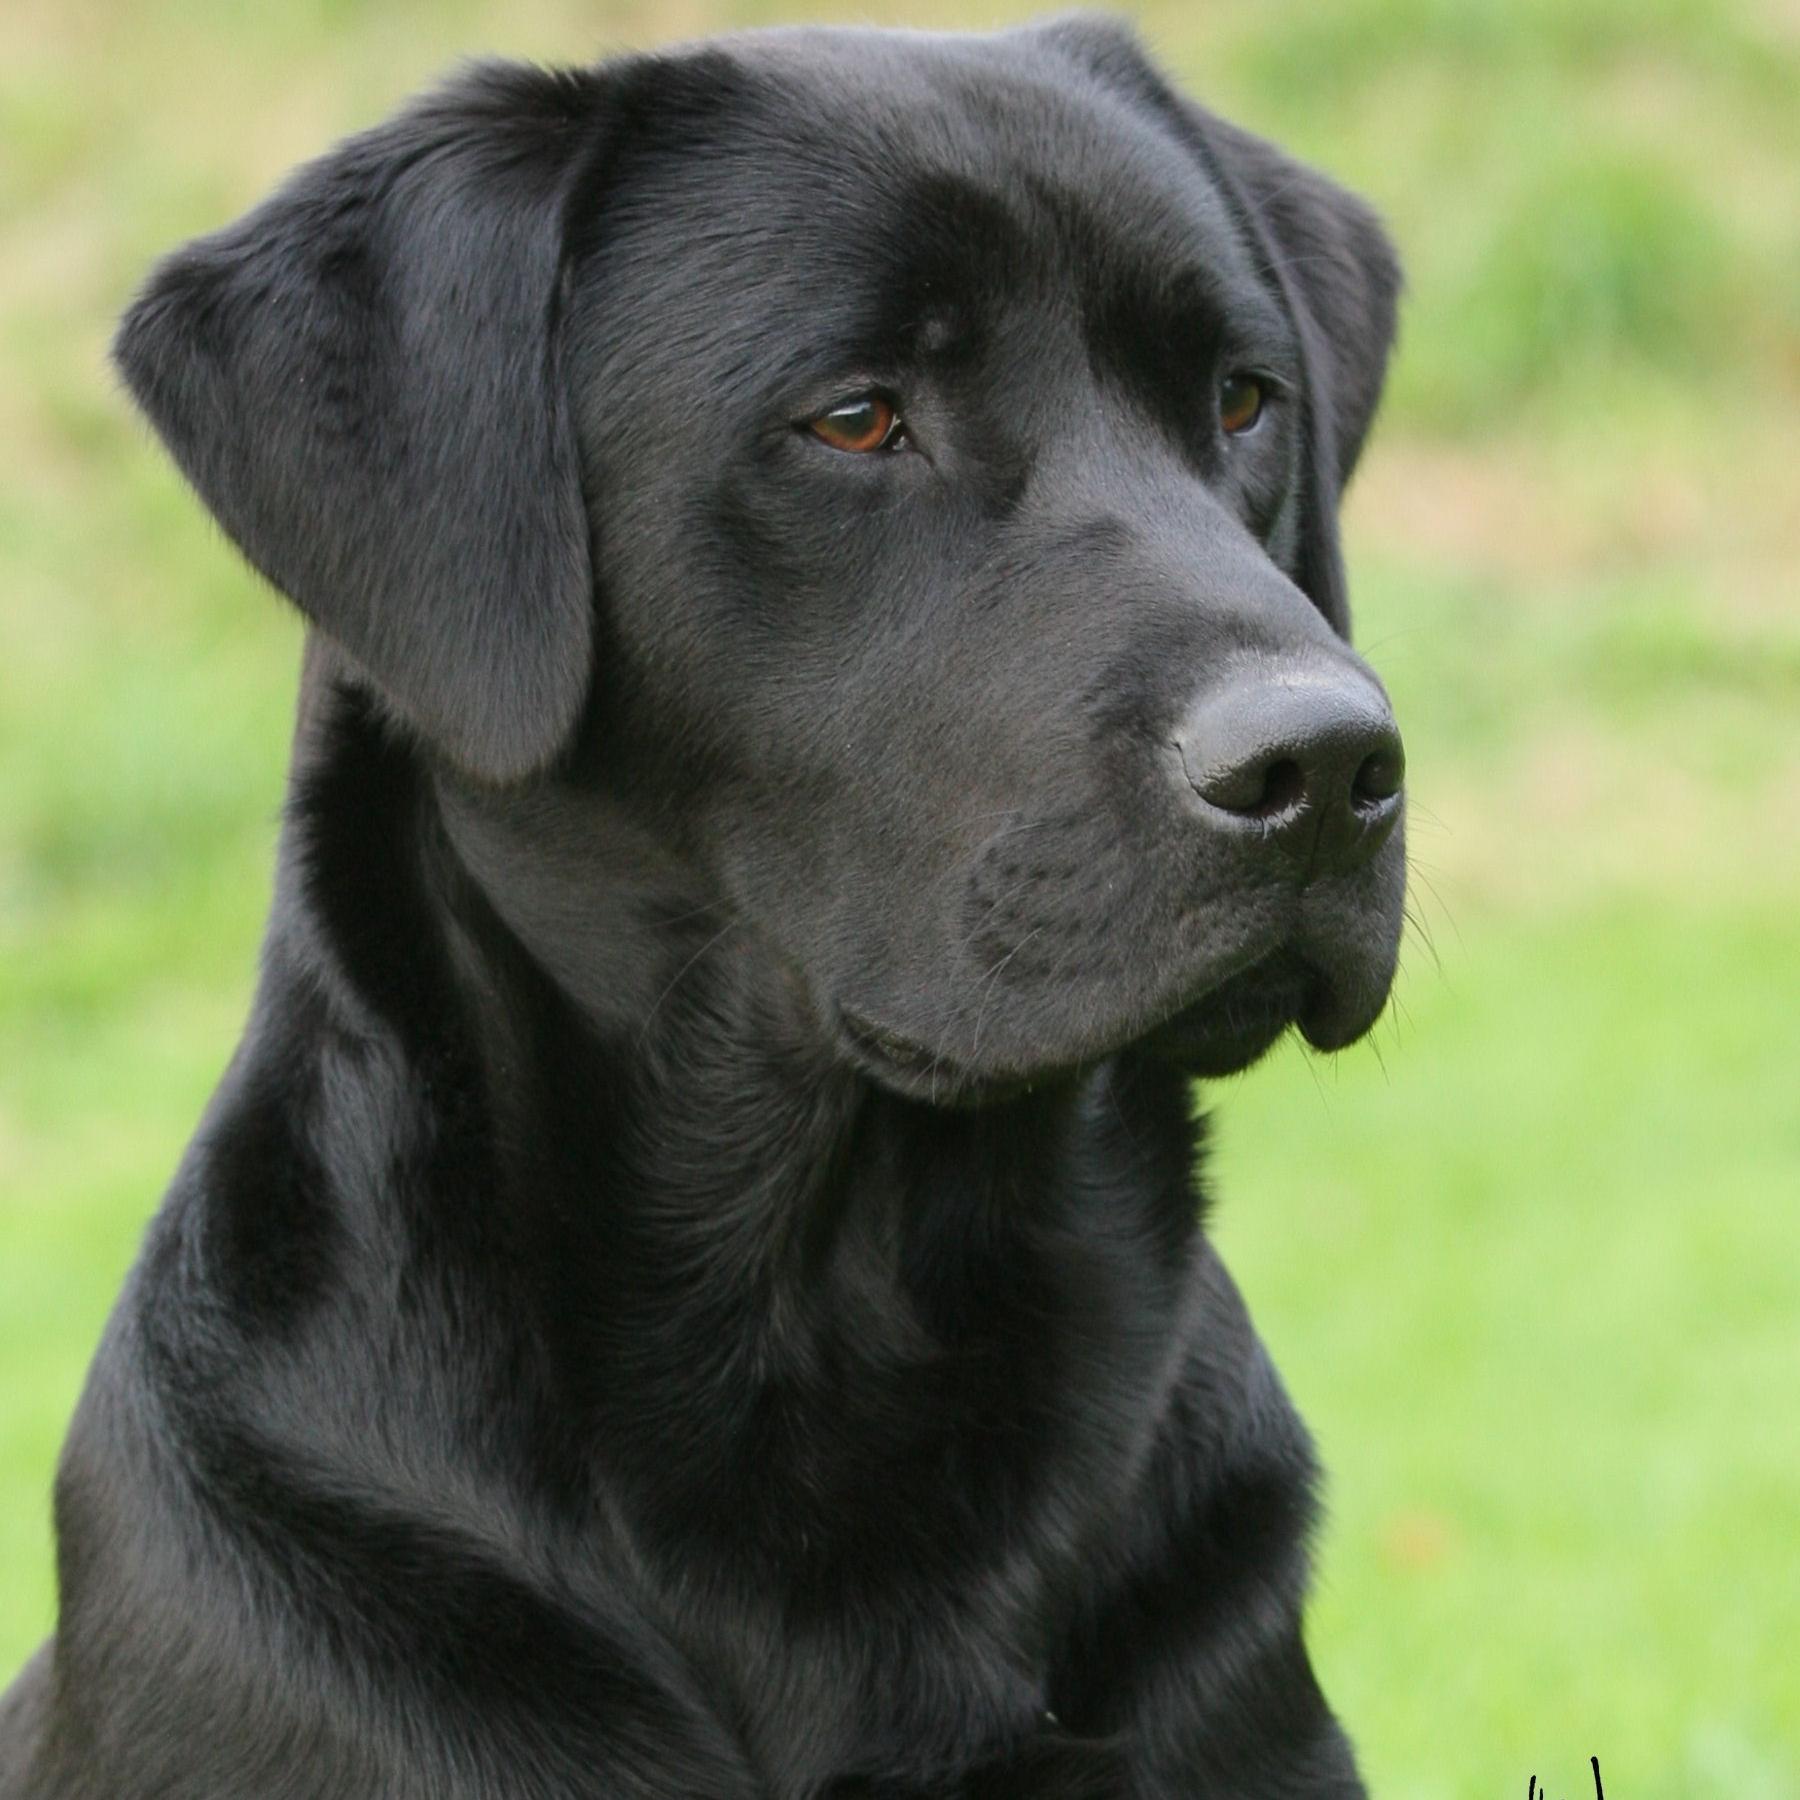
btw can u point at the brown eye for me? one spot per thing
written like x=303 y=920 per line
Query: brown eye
x=860 y=425
x=1240 y=404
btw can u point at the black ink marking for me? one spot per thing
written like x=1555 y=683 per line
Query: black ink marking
x=1534 y=1792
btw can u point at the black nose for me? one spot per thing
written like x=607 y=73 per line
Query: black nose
x=1314 y=760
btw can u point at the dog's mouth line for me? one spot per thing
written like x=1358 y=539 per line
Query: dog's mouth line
x=917 y=1069
x=904 y=1055
x=1259 y=998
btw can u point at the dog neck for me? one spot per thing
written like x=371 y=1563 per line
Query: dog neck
x=612 y=1099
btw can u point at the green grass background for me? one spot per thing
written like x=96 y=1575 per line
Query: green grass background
x=1530 y=1260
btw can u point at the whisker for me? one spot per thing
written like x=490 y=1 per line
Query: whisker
x=992 y=979
x=644 y=1029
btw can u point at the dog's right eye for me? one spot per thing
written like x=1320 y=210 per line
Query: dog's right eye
x=862 y=425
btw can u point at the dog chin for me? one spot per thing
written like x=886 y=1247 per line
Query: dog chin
x=1222 y=1032
x=1239 y=1022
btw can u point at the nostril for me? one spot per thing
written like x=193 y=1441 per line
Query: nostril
x=1260 y=787
x=1380 y=776
x=1284 y=786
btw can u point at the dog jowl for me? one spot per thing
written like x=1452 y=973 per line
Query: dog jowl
x=828 y=702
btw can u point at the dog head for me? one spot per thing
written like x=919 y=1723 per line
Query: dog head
x=897 y=473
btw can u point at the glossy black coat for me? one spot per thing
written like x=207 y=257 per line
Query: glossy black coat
x=693 y=1283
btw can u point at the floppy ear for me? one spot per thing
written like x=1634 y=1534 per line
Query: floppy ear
x=361 y=378
x=1337 y=275
x=1338 y=271
x=1325 y=255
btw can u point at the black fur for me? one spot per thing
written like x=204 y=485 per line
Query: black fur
x=692 y=1284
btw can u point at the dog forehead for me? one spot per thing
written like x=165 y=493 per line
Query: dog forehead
x=769 y=148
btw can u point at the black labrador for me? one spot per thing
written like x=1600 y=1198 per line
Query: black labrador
x=828 y=705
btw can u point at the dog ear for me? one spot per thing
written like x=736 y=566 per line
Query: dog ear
x=1322 y=251
x=362 y=380
x=1338 y=270
x=1327 y=256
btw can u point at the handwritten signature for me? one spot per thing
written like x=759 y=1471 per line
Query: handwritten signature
x=1534 y=1792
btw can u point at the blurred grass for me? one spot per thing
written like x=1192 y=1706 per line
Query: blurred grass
x=1529 y=1260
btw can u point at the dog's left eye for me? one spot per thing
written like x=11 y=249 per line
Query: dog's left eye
x=860 y=426
x=1241 y=400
